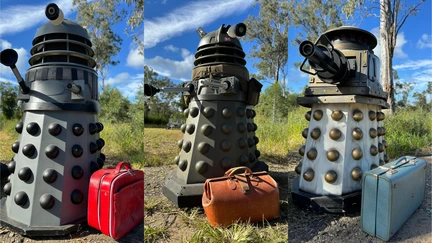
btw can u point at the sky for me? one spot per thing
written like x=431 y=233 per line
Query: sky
x=19 y=20
x=170 y=39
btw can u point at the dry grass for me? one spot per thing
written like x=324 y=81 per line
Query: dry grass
x=160 y=146
x=8 y=136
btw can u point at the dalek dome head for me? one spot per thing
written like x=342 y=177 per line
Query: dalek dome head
x=61 y=42
x=351 y=38
x=221 y=46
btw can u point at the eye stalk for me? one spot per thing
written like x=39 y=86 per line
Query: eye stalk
x=54 y=14
x=237 y=30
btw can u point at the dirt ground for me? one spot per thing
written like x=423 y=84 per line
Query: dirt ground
x=170 y=218
x=83 y=235
x=305 y=226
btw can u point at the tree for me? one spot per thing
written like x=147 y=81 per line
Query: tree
x=114 y=106
x=163 y=104
x=316 y=17
x=269 y=32
x=421 y=99
x=8 y=100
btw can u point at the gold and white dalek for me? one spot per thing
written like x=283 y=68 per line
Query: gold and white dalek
x=345 y=136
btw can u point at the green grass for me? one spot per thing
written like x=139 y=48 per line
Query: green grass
x=8 y=136
x=160 y=146
x=154 y=234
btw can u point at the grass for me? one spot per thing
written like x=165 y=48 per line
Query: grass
x=154 y=234
x=8 y=136
x=160 y=146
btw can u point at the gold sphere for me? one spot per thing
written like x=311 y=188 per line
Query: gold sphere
x=316 y=133
x=372 y=115
x=356 y=173
x=332 y=155
x=302 y=150
x=380 y=116
x=312 y=154
x=357 y=153
x=357 y=133
x=330 y=176
x=305 y=132
x=384 y=142
x=380 y=147
x=309 y=174
x=317 y=115
x=298 y=168
x=386 y=158
x=384 y=131
x=308 y=115
x=380 y=131
x=357 y=115
x=337 y=115
x=373 y=133
x=373 y=166
x=335 y=134
x=374 y=150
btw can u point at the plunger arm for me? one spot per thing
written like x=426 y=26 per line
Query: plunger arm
x=150 y=90
x=9 y=57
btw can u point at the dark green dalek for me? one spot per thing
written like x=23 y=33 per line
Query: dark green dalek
x=345 y=136
x=219 y=132
x=58 y=146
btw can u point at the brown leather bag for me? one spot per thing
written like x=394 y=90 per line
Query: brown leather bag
x=241 y=197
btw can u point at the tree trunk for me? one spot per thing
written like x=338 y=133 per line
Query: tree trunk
x=386 y=57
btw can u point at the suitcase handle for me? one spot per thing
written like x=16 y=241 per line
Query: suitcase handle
x=121 y=165
x=231 y=171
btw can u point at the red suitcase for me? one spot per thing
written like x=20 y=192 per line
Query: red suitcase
x=116 y=200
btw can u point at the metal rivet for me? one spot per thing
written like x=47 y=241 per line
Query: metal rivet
x=19 y=127
x=32 y=128
x=373 y=150
x=225 y=163
x=241 y=127
x=7 y=188
x=380 y=116
x=243 y=160
x=183 y=165
x=242 y=143
x=305 y=132
x=386 y=158
x=302 y=150
x=203 y=147
x=52 y=151
x=54 y=129
x=226 y=129
x=373 y=133
x=77 y=172
x=332 y=155
x=335 y=134
x=356 y=174
x=249 y=113
x=92 y=128
x=309 y=174
x=186 y=112
x=180 y=143
x=21 y=198
x=330 y=176
x=77 y=196
x=206 y=129
x=241 y=112
x=372 y=115
x=78 y=129
x=337 y=115
x=308 y=115
x=201 y=167
x=208 y=112
x=316 y=133
x=194 y=111
x=312 y=153
x=49 y=176
x=298 y=168
x=257 y=153
x=317 y=115
x=225 y=145
x=357 y=115
x=183 y=128
x=77 y=151
x=29 y=150
x=11 y=166
x=190 y=128
x=226 y=113
x=380 y=147
x=46 y=201
x=251 y=142
x=187 y=146
x=357 y=133
x=357 y=153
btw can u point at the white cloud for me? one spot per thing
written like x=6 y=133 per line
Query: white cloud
x=190 y=17
x=125 y=83
x=135 y=59
x=414 y=64
x=400 y=42
x=425 y=41
x=21 y=64
x=181 y=70
x=171 y=48
x=18 y=18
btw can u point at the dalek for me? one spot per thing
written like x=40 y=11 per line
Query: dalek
x=58 y=146
x=219 y=132
x=345 y=135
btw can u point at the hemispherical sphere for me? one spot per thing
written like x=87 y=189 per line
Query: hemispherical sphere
x=305 y=132
x=249 y=113
x=357 y=133
x=77 y=172
x=46 y=201
x=373 y=150
x=54 y=129
x=380 y=116
x=337 y=115
x=99 y=126
x=102 y=156
x=208 y=112
x=356 y=174
x=309 y=174
x=318 y=114
x=373 y=166
x=243 y=160
x=15 y=147
x=249 y=127
x=226 y=128
x=11 y=166
x=225 y=163
x=93 y=167
x=302 y=150
x=183 y=165
x=203 y=147
x=201 y=167
x=29 y=150
x=308 y=115
x=373 y=133
x=242 y=143
x=49 y=176
x=330 y=176
x=316 y=133
x=194 y=111
x=252 y=157
x=187 y=146
x=251 y=142
x=19 y=127
x=77 y=151
x=226 y=113
x=25 y=173
x=332 y=155
x=206 y=129
x=380 y=147
x=7 y=188
x=180 y=143
x=77 y=129
x=257 y=153
x=21 y=198
x=77 y=196
x=225 y=145
x=335 y=134
x=183 y=128
x=241 y=112
x=186 y=112
x=100 y=143
x=386 y=158
x=357 y=153
x=298 y=168
x=92 y=128
x=384 y=142
x=100 y=162
x=357 y=115
x=190 y=128
x=372 y=115
x=241 y=127
x=52 y=151
x=312 y=154
x=32 y=128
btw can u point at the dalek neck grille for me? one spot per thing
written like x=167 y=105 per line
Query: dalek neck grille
x=62 y=49
x=221 y=53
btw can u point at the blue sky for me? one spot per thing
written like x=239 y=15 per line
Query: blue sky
x=170 y=39
x=19 y=20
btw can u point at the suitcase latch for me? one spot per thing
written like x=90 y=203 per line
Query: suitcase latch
x=392 y=170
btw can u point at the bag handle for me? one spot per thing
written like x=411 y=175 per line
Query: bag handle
x=121 y=165
x=231 y=171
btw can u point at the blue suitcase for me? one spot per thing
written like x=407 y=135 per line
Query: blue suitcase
x=391 y=194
